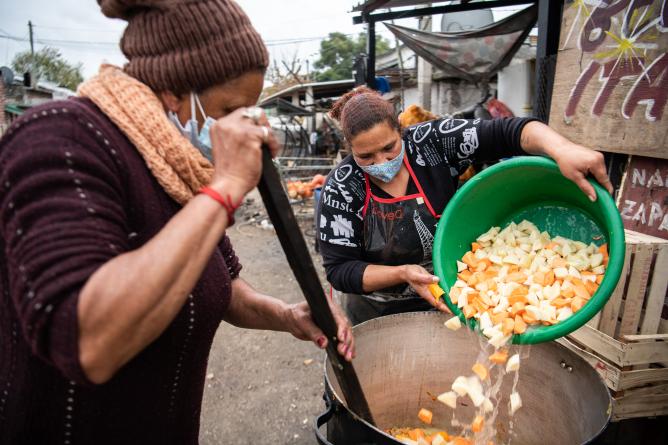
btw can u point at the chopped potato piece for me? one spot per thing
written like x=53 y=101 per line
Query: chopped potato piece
x=513 y=363
x=454 y=323
x=515 y=403
x=449 y=399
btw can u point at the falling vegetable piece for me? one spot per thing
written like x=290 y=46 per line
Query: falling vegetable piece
x=499 y=357
x=480 y=371
x=477 y=424
x=513 y=363
x=436 y=290
x=454 y=323
x=515 y=403
x=425 y=416
x=449 y=399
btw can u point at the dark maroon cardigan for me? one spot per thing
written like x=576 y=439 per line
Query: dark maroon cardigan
x=74 y=193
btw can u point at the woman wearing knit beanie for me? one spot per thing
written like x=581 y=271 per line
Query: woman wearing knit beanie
x=115 y=270
x=379 y=208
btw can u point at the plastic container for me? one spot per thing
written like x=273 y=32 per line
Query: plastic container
x=530 y=188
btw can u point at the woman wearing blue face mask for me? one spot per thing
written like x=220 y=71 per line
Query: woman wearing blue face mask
x=379 y=208
x=115 y=266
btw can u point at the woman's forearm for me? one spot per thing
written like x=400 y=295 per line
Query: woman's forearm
x=129 y=301
x=378 y=277
x=539 y=139
x=253 y=310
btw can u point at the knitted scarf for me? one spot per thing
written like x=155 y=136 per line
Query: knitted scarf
x=178 y=166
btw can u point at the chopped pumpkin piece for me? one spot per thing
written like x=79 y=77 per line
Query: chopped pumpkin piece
x=520 y=326
x=470 y=260
x=416 y=433
x=604 y=251
x=517 y=298
x=517 y=277
x=549 y=279
x=508 y=326
x=528 y=318
x=479 y=305
x=436 y=290
x=480 y=371
x=499 y=357
x=561 y=302
x=498 y=317
x=591 y=287
x=477 y=424
x=577 y=303
x=425 y=416
x=517 y=308
x=567 y=293
x=469 y=311
x=581 y=291
x=464 y=275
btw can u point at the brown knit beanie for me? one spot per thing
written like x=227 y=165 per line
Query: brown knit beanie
x=187 y=45
x=361 y=109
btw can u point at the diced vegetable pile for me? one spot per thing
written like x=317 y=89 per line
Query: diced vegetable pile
x=518 y=277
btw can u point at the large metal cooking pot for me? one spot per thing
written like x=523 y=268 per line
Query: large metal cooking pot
x=401 y=358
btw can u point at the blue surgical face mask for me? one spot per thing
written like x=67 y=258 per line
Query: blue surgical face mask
x=200 y=139
x=387 y=170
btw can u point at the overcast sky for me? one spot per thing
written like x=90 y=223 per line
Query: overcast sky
x=82 y=34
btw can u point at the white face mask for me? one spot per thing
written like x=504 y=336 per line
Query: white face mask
x=200 y=139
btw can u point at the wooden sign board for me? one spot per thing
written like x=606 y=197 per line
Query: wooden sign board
x=643 y=196
x=611 y=81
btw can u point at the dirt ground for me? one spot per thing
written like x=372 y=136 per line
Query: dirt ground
x=263 y=387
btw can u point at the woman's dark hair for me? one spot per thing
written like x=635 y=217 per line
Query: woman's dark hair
x=361 y=109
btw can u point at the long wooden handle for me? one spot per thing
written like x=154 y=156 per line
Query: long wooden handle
x=294 y=246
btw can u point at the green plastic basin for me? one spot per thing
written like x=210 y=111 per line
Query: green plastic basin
x=530 y=188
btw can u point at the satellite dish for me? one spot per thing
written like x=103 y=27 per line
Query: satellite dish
x=7 y=75
x=466 y=20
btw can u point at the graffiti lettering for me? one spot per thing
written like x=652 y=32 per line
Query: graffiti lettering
x=639 y=178
x=650 y=89
x=649 y=215
x=593 y=33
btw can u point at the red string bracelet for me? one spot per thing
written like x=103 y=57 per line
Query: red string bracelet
x=226 y=202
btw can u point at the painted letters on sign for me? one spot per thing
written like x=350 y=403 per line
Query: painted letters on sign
x=643 y=200
x=611 y=82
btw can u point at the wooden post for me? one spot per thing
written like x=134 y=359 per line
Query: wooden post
x=371 y=55
x=549 y=24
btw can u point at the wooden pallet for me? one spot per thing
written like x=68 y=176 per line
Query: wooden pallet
x=627 y=342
